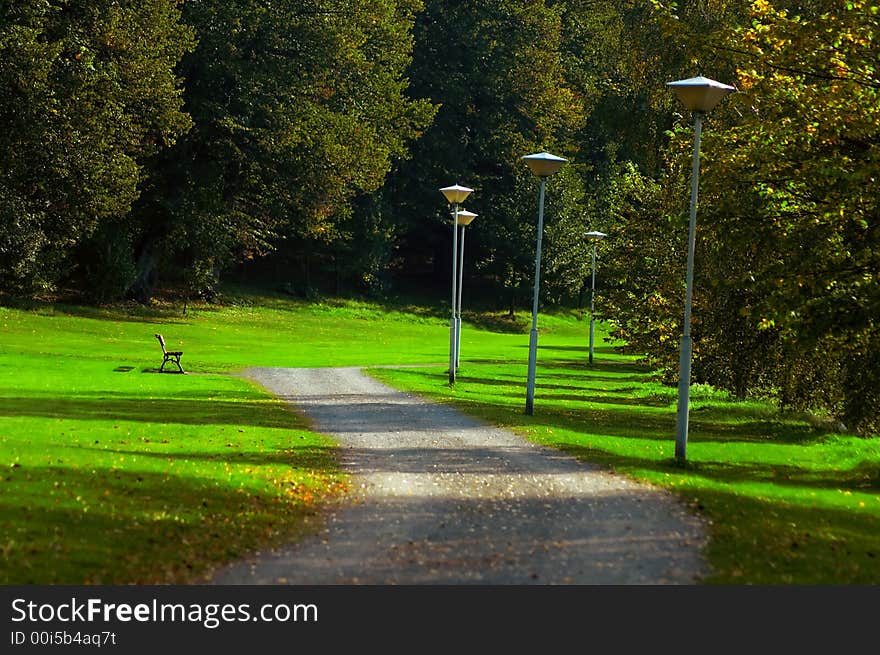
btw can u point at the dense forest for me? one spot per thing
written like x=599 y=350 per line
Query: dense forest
x=156 y=146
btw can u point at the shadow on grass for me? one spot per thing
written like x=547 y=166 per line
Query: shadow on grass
x=312 y=458
x=128 y=312
x=744 y=423
x=488 y=320
x=585 y=350
x=477 y=460
x=491 y=382
x=766 y=541
x=586 y=374
x=498 y=323
x=646 y=401
x=865 y=478
x=584 y=371
x=520 y=380
x=601 y=366
x=658 y=425
x=105 y=407
x=663 y=427
x=542 y=396
x=762 y=542
x=108 y=526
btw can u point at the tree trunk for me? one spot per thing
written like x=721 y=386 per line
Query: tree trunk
x=144 y=283
x=308 y=274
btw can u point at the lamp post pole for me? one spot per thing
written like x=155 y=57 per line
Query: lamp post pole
x=533 y=334
x=684 y=362
x=700 y=95
x=592 y=305
x=594 y=237
x=458 y=311
x=455 y=195
x=453 y=325
x=542 y=165
x=464 y=219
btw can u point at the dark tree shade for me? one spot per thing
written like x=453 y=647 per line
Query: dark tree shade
x=87 y=93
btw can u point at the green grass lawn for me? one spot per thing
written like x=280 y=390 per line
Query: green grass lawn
x=112 y=473
x=120 y=476
x=256 y=330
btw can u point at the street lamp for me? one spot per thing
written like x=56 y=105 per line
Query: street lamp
x=700 y=95
x=594 y=237
x=464 y=219
x=542 y=165
x=454 y=195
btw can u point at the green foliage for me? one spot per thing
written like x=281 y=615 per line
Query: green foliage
x=297 y=110
x=107 y=269
x=88 y=92
x=322 y=130
x=798 y=158
x=643 y=260
x=496 y=70
x=785 y=297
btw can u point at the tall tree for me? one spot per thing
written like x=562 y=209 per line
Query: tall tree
x=496 y=70
x=785 y=296
x=87 y=93
x=803 y=161
x=298 y=108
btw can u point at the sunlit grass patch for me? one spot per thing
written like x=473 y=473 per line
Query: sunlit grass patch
x=120 y=477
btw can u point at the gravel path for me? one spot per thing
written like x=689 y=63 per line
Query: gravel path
x=444 y=499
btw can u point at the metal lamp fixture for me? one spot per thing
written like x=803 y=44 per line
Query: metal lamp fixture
x=455 y=195
x=542 y=165
x=463 y=219
x=700 y=95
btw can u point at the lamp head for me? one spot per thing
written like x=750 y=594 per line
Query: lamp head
x=595 y=236
x=543 y=164
x=456 y=193
x=465 y=217
x=700 y=93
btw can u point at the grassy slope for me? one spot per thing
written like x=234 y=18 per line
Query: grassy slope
x=111 y=473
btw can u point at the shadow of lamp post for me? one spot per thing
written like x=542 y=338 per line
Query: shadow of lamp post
x=542 y=165
x=700 y=95
x=455 y=195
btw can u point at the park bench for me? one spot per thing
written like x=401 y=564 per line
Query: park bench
x=169 y=356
